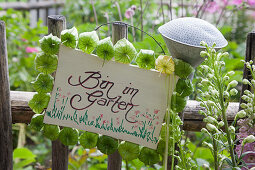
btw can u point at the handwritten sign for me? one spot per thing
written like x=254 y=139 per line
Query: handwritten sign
x=109 y=98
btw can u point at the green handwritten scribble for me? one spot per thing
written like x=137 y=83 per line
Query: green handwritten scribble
x=57 y=113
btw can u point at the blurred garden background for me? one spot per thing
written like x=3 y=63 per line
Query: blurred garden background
x=26 y=24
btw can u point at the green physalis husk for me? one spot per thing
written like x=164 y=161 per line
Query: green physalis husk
x=39 y=102
x=88 y=41
x=88 y=140
x=105 y=49
x=128 y=151
x=145 y=59
x=37 y=122
x=124 y=51
x=165 y=64
x=69 y=37
x=184 y=87
x=182 y=69
x=68 y=136
x=148 y=156
x=50 y=44
x=43 y=83
x=51 y=131
x=107 y=144
x=46 y=63
x=178 y=103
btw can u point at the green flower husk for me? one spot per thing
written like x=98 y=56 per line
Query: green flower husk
x=88 y=41
x=51 y=131
x=107 y=144
x=88 y=140
x=69 y=37
x=178 y=103
x=145 y=59
x=148 y=156
x=124 y=51
x=50 y=44
x=184 y=87
x=46 y=63
x=128 y=151
x=39 y=102
x=68 y=136
x=36 y=122
x=105 y=49
x=43 y=83
x=182 y=69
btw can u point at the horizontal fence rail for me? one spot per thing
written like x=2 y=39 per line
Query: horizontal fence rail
x=31 y=5
x=21 y=112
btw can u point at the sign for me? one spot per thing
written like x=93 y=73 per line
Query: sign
x=109 y=98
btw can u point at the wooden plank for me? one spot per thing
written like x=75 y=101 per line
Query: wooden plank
x=5 y=105
x=31 y=5
x=57 y=23
x=21 y=112
x=119 y=31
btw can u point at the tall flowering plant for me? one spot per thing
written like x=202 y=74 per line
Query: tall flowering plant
x=216 y=90
x=246 y=123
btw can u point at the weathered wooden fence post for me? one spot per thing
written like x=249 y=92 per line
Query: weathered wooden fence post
x=57 y=23
x=5 y=105
x=119 y=31
x=250 y=55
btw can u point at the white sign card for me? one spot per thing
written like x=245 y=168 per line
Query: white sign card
x=109 y=98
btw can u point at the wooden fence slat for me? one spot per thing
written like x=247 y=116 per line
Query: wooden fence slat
x=119 y=31
x=250 y=55
x=57 y=23
x=5 y=105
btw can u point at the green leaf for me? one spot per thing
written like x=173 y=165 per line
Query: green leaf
x=23 y=153
x=21 y=164
x=178 y=103
x=88 y=41
x=182 y=69
x=46 y=63
x=184 y=87
x=146 y=59
x=105 y=49
x=148 y=156
x=39 y=102
x=43 y=83
x=124 y=51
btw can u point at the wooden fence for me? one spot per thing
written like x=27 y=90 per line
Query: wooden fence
x=38 y=9
x=14 y=104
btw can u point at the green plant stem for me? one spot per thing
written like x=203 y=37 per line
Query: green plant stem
x=141 y=18
x=223 y=110
x=173 y=144
x=127 y=168
x=215 y=150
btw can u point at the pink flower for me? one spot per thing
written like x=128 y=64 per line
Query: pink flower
x=31 y=50
x=129 y=13
x=133 y=7
x=213 y=7
x=236 y=2
x=251 y=2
